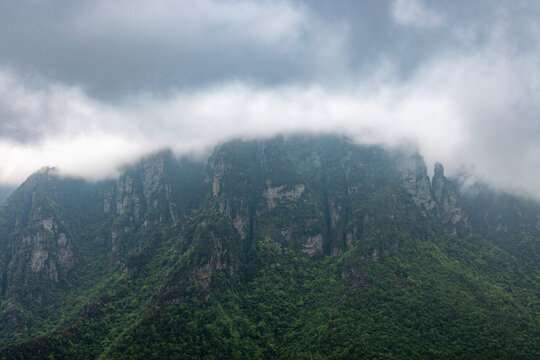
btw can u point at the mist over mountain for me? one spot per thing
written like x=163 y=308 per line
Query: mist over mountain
x=96 y=85
x=279 y=179
x=5 y=191
x=296 y=246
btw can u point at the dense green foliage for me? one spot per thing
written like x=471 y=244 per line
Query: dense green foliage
x=295 y=248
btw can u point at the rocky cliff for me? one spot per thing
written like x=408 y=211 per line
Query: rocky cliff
x=173 y=233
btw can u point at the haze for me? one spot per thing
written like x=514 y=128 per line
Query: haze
x=88 y=86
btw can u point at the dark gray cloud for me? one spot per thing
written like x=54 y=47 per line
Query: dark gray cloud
x=118 y=47
x=87 y=85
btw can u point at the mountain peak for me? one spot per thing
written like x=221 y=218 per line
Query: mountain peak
x=438 y=170
x=246 y=247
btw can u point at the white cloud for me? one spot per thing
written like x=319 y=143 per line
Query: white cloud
x=415 y=13
x=93 y=157
x=92 y=139
x=472 y=108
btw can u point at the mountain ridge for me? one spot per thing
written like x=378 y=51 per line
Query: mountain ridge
x=171 y=238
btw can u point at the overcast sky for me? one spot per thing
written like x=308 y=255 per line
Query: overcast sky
x=89 y=85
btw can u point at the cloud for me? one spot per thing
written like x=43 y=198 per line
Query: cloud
x=267 y=23
x=119 y=47
x=92 y=138
x=474 y=112
x=467 y=93
x=415 y=13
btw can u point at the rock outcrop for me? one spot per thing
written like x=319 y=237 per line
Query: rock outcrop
x=416 y=181
x=449 y=208
x=437 y=198
x=199 y=225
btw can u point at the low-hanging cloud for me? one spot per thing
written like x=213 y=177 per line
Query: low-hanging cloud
x=473 y=105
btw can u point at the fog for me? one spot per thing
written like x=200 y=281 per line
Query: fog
x=92 y=86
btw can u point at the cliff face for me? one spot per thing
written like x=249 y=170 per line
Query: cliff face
x=497 y=214
x=307 y=197
x=168 y=229
x=450 y=210
x=38 y=244
x=438 y=198
x=57 y=231
x=318 y=196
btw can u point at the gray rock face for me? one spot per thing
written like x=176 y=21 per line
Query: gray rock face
x=416 y=181
x=219 y=170
x=439 y=183
x=313 y=245
x=127 y=200
x=49 y=248
x=141 y=197
x=438 y=198
x=37 y=260
x=65 y=254
x=449 y=209
x=133 y=193
x=235 y=205
x=153 y=174
x=276 y=194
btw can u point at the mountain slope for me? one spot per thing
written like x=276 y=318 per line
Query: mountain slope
x=291 y=247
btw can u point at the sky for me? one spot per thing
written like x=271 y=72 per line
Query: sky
x=89 y=86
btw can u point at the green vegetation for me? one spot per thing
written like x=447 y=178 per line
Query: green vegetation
x=307 y=248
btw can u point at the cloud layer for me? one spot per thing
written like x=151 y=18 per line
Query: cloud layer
x=94 y=85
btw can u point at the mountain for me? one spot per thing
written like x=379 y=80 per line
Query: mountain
x=5 y=191
x=289 y=247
